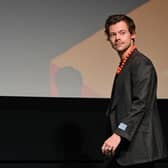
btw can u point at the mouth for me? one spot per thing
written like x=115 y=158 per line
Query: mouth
x=118 y=45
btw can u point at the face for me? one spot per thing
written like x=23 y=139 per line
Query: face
x=120 y=37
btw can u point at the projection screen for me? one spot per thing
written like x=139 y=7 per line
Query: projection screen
x=57 y=48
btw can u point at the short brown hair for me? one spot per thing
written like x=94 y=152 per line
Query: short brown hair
x=113 y=19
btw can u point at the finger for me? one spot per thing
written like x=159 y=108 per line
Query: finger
x=103 y=148
x=113 y=151
x=108 y=153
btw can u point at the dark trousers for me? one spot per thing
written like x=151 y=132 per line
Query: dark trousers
x=110 y=163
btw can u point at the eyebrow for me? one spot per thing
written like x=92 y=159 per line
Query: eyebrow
x=119 y=31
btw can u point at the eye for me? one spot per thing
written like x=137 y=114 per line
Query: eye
x=122 y=32
x=112 y=34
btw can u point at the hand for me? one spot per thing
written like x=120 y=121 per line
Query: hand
x=111 y=144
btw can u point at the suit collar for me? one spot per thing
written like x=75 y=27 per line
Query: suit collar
x=114 y=96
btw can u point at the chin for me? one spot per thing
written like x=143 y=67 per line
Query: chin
x=120 y=49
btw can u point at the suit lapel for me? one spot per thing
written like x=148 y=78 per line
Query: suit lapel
x=116 y=85
x=114 y=95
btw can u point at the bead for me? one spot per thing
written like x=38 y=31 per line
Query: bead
x=124 y=60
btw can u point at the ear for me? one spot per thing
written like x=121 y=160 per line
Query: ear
x=133 y=36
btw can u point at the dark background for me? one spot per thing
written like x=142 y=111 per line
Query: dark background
x=56 y=132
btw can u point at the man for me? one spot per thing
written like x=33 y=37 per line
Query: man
x=136 y=138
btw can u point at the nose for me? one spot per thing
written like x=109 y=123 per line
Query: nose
x=117 y=36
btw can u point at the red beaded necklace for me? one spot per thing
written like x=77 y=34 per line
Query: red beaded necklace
x=124 y=60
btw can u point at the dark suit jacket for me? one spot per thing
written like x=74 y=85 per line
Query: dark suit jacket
x=133 y=112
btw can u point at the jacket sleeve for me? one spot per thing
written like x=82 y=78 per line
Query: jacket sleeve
x=143 y=78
